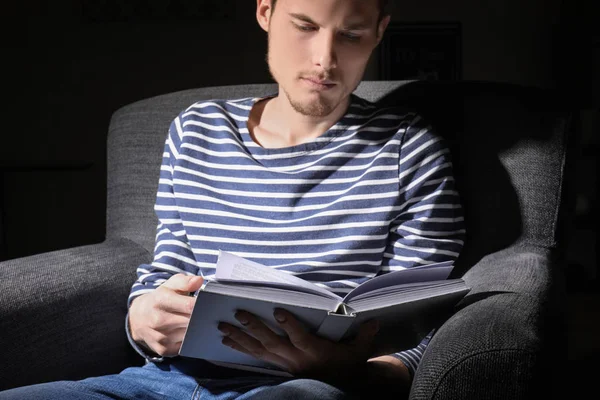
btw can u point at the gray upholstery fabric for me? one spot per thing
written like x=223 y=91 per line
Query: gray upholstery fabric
x=63 y=312
x=498 y=345
x=508 y=145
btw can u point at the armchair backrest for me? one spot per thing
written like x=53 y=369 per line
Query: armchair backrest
x=508 y=144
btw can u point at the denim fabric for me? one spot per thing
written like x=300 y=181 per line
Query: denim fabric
x=168 y=381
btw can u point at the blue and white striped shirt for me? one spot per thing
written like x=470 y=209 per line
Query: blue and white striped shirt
x=375 y=193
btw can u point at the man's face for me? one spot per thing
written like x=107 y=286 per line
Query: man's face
x=319 y=49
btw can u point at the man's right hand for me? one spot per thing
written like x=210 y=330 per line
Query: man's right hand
x=158 y=320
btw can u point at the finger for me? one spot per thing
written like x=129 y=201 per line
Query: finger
x=172 y=302
x=248 y=342
x=170 y=338
x=238 y=339
x=281 y=363
x=167 y=345
x=184 y=283
x=271 y=341
x=165 y=351
x=299 y=337
x=171 y=350
x=163 y=321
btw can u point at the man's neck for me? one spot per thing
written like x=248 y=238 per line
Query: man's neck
x=274 y=123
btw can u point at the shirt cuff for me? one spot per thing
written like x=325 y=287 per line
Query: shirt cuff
x=137 y=348
x=411 y=358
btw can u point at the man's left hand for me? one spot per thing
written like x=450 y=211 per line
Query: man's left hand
x=300 y=353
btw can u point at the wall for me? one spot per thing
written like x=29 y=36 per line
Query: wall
x=69 y=74
x=505 y=41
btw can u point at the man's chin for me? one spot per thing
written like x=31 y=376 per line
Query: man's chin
x=312 y=104
x=315 y=108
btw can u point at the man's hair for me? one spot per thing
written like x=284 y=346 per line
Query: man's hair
x=382 y=8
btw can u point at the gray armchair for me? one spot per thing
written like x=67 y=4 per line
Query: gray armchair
x=62 y=313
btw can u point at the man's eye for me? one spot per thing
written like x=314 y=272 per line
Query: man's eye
x=351 y=37
x=305 y=28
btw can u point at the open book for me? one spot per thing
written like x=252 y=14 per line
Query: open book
x=408 y=304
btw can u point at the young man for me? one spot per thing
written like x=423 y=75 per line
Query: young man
x=312 y=180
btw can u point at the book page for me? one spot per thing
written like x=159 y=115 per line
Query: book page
x=381 y=296
x=237 y=269
x=423 y=273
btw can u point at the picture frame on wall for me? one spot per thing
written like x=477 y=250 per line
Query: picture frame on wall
x=421 y=51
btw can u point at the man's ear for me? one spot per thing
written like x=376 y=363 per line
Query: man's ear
x=382 y=27
x=264 y=9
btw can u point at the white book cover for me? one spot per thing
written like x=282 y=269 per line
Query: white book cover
x=407 y=304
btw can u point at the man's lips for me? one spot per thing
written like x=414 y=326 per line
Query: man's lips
x=317 y=81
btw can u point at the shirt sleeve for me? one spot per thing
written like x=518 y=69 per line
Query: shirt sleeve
x=430 y=225
x=172 y=252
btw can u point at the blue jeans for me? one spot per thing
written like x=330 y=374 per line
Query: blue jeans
x=176 y=381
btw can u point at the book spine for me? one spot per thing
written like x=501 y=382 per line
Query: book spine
x=335 y=325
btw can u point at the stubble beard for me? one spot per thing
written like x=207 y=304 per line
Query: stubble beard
x=320 y=107
x=317 y=108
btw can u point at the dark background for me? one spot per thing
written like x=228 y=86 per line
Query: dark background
x=68 y=65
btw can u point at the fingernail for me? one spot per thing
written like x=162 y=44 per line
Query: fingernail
x=243 y=320
x=224 y=330
x=279 y=316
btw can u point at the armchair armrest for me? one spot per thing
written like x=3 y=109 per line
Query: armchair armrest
x=63 y=313
x=501 y=343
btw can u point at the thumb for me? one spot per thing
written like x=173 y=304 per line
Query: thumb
x=195 y=283
x=184 y=283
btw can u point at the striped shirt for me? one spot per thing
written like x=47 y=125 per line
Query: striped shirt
x=373 y=194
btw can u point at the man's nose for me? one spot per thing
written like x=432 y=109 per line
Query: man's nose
x=324 y=51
